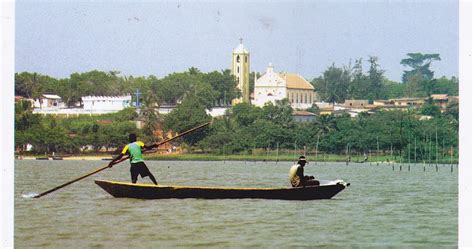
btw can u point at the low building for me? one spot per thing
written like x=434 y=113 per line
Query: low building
x=440 y=100
x=303 y=116
x=49 y=101
x=408 y=102
x=356 y=103
x=106 y=103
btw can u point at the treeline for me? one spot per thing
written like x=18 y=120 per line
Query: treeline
x=246 y=127
x=213 y=87
x=217 y=88
x=351 y=82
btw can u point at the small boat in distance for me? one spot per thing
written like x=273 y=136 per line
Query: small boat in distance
x=150 y=191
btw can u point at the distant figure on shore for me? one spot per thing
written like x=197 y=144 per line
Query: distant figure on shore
x=137 y=164
x=297 y=177
x=366 y=158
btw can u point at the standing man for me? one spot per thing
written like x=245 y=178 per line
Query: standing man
x=297 y=177
x=137 y=164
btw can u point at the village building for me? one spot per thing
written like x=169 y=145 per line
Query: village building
x=408 y=102
x=440 y=100
x=49 y=101
x=273 y=86
x=106 y=104
x=304 y=116
x=355 y=103
x=383 y=102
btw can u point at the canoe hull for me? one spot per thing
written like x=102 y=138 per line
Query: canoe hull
x=148 y=191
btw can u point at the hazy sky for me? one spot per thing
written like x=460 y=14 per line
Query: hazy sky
x=139 y=39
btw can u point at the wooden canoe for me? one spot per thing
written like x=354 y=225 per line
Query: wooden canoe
x=150 y=191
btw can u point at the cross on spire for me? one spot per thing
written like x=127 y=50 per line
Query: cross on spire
x=137 y=95
x=240 y=40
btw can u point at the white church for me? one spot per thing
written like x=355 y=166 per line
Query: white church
x=271 y=86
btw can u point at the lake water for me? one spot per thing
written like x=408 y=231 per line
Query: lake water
x=382 y=208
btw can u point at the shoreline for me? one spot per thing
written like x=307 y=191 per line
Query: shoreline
x=249 y=158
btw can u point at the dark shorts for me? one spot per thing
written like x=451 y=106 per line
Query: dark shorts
x=139 y=169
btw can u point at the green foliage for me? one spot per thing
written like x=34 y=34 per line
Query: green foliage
x=420 y=65
x=334 y=84
x=430 y=109
x=187 y=115
x=246 y=127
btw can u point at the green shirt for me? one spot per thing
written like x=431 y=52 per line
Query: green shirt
x=135 y=151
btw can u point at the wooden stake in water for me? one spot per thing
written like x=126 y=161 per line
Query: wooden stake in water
x=347 y=154
x=391 y=153
x=429 y=152
x=370 y=156
x=268 y=153
x=278 y=148
x=443 y=150
x=409 y=155
x=316 y=153
x=223 y=152
x=296 y=156
x=378 y=149
x=436 y=147
x=415 y=150
x=451 y=158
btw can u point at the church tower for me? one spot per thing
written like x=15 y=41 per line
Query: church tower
x=241 y=71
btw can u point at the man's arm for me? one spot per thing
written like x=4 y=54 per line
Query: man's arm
x=115 y=160
x=124 y=151
x=149 y=147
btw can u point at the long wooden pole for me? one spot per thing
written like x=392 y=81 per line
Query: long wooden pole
x=121 y=160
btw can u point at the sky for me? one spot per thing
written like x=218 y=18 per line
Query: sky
x=159 y=38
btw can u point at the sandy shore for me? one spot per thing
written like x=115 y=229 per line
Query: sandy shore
x=96 y=158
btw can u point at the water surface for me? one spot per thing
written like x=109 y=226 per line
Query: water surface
x=381 y=208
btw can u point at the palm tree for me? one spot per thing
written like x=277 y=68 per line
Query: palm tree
x=36 y=87
x=149 y=112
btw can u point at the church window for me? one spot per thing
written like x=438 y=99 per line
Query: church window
x=238 y=69
x=245 y=59
x=238 y=58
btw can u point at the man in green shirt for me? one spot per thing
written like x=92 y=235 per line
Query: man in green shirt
x=137 y=164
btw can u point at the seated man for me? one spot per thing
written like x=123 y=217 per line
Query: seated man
x=297 y=177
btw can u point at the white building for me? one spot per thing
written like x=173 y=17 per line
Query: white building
x=273 y=86
x=49 y=101
x=106 y=103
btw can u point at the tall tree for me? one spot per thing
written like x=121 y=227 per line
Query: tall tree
x=419 y=63
x=375 y=79
x=334 y=84
x=420 y=78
